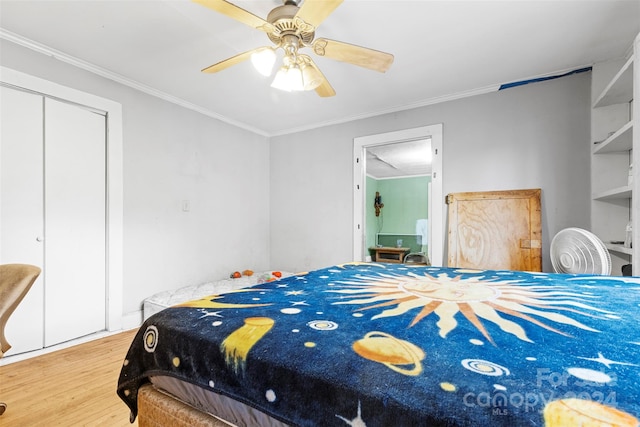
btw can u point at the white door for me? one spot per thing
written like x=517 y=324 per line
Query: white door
x=75 y=222
x=21 y=208
x=53 y=214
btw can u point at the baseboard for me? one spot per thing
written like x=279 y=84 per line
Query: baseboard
x=132 y=320
x=35 y=353
x=129 y=321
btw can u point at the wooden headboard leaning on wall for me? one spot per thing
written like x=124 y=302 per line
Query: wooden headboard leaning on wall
x=496 y=230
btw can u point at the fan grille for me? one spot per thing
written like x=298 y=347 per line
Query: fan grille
x=578 y=251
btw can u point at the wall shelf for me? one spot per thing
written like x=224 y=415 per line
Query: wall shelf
x=619 y=248
x=621 y=140
x=619 y=193
x=620 y=88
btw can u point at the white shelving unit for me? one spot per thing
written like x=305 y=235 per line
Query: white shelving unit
x=616 y=194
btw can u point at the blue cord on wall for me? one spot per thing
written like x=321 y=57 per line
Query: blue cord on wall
x=542 y=79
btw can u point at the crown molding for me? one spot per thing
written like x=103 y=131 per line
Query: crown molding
x=76 y=62
x=61 y=56
x=396 y=109
x=79 y=63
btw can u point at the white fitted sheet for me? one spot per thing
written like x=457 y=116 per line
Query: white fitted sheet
x=162 y=300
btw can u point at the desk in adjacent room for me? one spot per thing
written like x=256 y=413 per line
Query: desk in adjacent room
x=387 y=254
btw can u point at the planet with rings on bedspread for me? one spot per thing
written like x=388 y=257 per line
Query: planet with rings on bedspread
x=392 y=352
x=587 y=413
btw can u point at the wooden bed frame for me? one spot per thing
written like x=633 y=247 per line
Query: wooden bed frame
x=158 y=409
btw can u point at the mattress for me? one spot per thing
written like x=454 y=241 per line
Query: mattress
x=162 y=300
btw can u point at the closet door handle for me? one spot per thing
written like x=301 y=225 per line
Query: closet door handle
x=39 y=239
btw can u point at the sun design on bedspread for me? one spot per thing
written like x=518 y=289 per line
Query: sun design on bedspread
x=474 y=297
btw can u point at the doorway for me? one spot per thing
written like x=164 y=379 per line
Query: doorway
x=370 y=145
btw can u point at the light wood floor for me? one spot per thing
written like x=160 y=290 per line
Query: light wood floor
x=75 y=386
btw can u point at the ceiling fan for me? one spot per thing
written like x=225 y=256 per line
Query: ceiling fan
x=291 y=28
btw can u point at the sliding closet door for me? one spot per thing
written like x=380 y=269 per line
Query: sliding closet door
x=21 y=207
x=75 y=222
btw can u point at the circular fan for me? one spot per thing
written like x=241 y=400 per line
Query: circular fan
x=578 y=251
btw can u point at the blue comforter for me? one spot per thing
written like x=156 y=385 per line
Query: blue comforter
x=395 y=345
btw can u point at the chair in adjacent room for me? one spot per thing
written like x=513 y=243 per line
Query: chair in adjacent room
x=417 y=258
x=15 y=282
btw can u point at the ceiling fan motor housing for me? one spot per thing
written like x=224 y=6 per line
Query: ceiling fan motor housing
x=283 y=18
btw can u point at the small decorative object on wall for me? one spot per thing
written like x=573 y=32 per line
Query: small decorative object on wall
x=377 y=203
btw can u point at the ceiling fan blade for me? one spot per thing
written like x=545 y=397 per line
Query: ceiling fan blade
x=229 y=62
x=315 y=11
x=325 y=89
x=356 y=55
x=237 y=13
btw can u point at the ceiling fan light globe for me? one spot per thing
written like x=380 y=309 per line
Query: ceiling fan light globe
x=281 y=81
x=263 y=61
x=296 y=81
x=311 y=78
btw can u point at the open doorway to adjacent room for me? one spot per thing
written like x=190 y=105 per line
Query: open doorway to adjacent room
x=398 y=192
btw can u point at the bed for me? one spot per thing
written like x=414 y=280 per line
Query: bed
x=372 y=344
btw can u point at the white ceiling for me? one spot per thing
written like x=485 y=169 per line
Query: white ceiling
x=443 y=50
x=399 y=159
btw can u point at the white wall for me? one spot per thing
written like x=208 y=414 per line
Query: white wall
x=173 y=154
x=533 y=136
x=288 y=204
